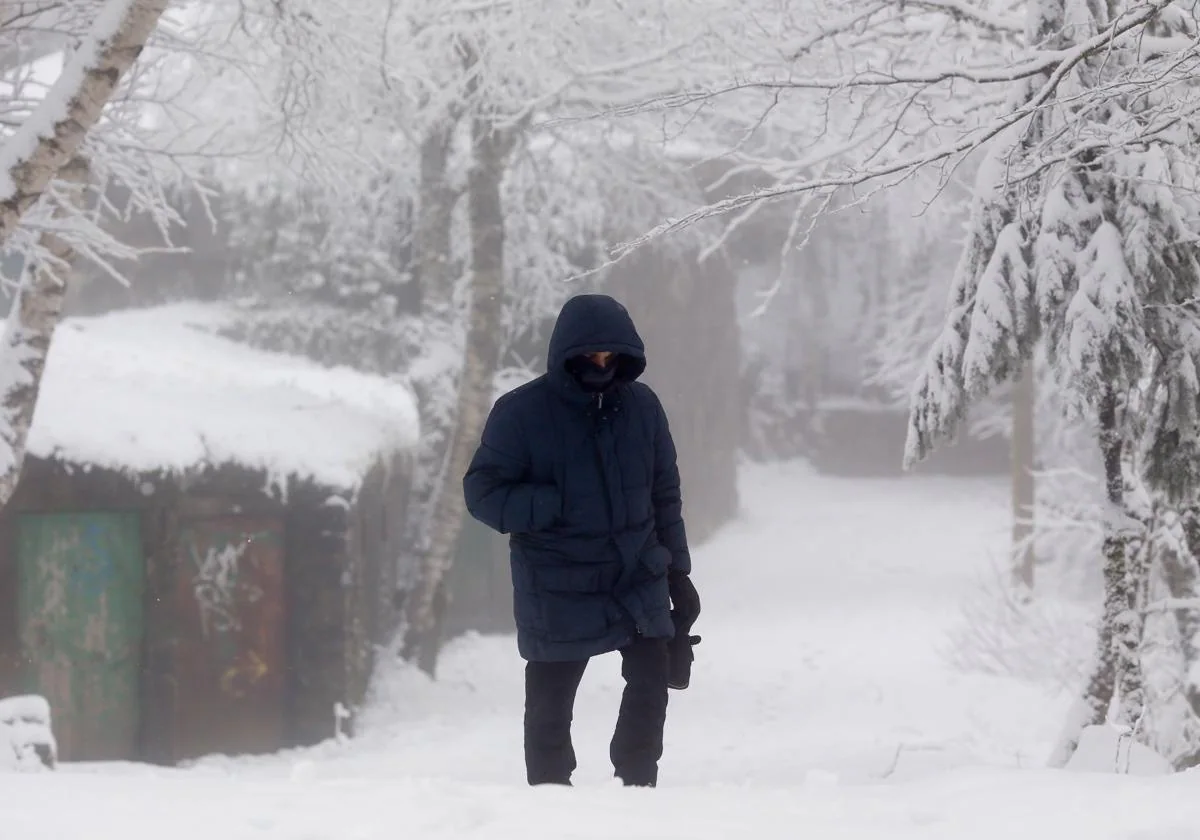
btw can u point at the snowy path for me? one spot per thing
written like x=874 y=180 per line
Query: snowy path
x=824 y=611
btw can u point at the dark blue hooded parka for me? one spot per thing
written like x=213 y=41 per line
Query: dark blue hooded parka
x=587 y=487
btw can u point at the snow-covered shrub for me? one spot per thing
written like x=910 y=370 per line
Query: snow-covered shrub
x=1110 y=749
x=26 y=737
x=1046 y=639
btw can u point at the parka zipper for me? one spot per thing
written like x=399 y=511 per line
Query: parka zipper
x=604 y=483
x=600 y=459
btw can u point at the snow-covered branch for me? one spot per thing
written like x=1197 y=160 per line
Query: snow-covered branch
x=55 y=132
x=932 y=97
x=1171 y=604
x=1005 y=22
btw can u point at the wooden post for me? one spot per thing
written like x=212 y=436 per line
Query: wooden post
x=1023 y=448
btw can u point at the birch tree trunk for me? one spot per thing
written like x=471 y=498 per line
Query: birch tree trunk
x=425 y=604
x=1023 y=488
x=435 y=374
x=29 y=329
x=54 y=133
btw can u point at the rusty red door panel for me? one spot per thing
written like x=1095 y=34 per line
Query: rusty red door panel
x=231 y=654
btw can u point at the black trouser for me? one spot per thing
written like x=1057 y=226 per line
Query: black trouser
x=637 y=743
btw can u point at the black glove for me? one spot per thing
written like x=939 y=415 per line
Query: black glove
x=686 y=603
x=680 y=655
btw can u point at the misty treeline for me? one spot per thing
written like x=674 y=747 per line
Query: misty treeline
x=977 y=213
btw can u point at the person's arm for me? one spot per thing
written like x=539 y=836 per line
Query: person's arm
x=668 y=520
x=496 y=486
x=667 y=496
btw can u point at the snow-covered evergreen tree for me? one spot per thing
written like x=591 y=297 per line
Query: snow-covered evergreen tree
x=1084 y=237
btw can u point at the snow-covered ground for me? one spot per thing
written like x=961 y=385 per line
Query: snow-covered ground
x=820 y=707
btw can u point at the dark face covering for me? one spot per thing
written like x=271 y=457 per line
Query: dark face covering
x=591 y=376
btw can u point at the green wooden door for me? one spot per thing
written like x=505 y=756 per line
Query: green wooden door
x=80 y=614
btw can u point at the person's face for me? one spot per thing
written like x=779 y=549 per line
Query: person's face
x=600 y=359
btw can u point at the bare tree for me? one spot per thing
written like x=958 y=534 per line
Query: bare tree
x=484 y=320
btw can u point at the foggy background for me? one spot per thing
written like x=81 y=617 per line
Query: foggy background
x=764 y=350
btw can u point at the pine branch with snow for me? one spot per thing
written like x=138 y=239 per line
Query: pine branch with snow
x=990 y=326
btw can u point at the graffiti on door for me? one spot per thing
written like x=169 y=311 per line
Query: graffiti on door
x=230 y=663
x=218 y=587
x=241 y=677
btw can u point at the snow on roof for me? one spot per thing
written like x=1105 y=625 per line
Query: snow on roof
x=157 y=389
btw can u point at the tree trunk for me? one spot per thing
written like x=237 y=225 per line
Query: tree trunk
x=435 y=374
x=1117 y=669
x=1125 y=572
x=1023 y=489
x=1181 y=574
x=29 y=330
x=437 y=197
x=425 y=603
x=54 y=133
x=813 y=336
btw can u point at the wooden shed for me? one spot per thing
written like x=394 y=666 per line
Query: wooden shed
x=199 y=555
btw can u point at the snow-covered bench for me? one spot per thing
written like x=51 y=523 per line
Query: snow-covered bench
x=26 y=738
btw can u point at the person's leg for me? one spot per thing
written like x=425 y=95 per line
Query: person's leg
x=549 y=705
x=637 y=743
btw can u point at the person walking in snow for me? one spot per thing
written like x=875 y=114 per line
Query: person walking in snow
x=579 y=468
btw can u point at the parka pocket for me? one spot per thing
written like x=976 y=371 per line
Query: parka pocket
x=656 y=560
x=581 y=579
x=573 y=600
x=587 y=510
